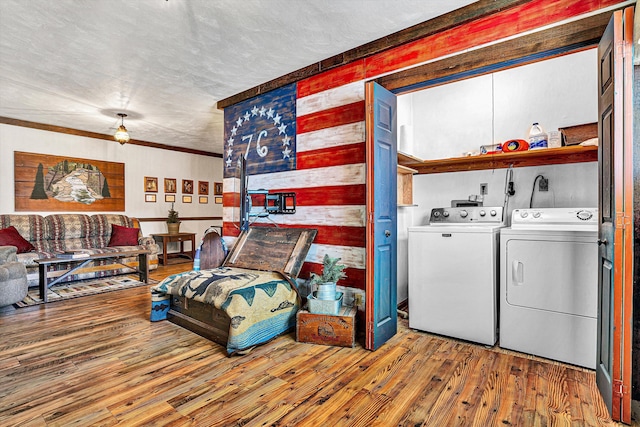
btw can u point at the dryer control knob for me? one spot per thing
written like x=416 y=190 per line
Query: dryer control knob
x=436 y=214
x=524 y=214
x=482 y=213
x=536 y=214
x=493 y=212
x=464 y=214
x=445 y=214
x=584 y=215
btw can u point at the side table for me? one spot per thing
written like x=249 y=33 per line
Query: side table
x=165 y=238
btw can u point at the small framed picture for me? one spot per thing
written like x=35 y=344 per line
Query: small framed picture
x=170 y=198
x=203 y=199
x=170 y=185
x=218 y=200
x=150 y=184
x=186 y=199
x=187 y=186
x=217 y=188
x=150 y=198
x=203 y=187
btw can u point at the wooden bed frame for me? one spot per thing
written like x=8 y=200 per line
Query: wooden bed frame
x=259 y=248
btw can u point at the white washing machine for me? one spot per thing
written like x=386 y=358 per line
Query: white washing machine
x=453 y=273
x=549 y=284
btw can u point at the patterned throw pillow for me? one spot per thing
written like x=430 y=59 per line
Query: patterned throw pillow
x=123 y=236
x=10 y=237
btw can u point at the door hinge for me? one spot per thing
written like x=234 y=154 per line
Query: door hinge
x=371 y=217
x=623 y=221
x=619 y=389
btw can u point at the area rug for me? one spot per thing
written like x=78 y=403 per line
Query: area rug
x=64 y=291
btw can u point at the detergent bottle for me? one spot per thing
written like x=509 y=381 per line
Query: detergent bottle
x=537 y=137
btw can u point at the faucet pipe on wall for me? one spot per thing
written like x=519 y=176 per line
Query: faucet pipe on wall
x=509 y=189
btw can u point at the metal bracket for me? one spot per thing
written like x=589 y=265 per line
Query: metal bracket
x=274 y=203
x=280 y=203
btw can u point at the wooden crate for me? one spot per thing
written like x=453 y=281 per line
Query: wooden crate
x=326 y=329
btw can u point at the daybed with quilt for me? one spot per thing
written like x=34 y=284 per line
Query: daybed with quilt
x=247 y=301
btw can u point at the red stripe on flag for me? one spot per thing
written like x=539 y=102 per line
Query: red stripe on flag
x=354 y=279
x=334 y=156
x=339 y=236
x=342 y=115
x=331 y=235
x=231 y=199
x=529 y=16
x=332 y=78
x=327 y=196
x=230 y=229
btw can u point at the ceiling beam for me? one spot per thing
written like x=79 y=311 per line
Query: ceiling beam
x=561 y=40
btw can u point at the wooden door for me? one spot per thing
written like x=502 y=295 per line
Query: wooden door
x=382 y=210
x=615 y=209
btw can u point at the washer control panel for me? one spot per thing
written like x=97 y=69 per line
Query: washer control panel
x=467 y=215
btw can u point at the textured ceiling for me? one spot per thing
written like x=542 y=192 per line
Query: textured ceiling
x=165 y=63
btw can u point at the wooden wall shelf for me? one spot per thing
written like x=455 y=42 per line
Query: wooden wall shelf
x=549 y=156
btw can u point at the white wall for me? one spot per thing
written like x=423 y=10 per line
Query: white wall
x=570 y=185
x=139 y=162
x=459 y=117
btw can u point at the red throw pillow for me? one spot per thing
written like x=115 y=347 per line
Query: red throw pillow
x=123 y=236
x=10 y=237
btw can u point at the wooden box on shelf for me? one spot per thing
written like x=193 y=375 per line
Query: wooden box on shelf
x=405 y=185
x=405 y=179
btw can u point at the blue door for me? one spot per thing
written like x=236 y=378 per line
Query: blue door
x=381 y=247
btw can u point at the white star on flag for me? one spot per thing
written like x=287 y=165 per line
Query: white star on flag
x=254 y=111
x=230 y=141
x=234 y=130
x=239 y=122
x=228 y=162
x=229 y=152
x=286 y=140
x=247 y=116
x=286 y=153
x=282 y=128
x=263 y=111
x=276 y=119
x=270 y=113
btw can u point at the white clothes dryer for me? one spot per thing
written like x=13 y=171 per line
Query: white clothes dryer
x=549 y=284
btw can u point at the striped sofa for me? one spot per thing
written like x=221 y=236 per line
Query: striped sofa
x=56 y=233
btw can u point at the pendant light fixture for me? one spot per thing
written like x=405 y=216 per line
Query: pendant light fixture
x=122 y=136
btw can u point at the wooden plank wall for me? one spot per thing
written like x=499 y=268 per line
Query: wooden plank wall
x=330 y=177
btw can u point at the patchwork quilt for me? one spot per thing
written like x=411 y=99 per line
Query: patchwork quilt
x=260 y=304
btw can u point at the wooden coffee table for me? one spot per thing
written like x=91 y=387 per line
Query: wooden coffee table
x=44 y=263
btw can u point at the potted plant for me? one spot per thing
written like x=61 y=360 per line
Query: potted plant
x=173 y=221
x=331 y=273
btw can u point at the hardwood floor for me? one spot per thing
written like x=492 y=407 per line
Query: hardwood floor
x=98 y=360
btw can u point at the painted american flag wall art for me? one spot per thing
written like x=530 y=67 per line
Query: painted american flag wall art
x=321 y=161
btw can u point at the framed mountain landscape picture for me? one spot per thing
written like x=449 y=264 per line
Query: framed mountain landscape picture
x=55 y=183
